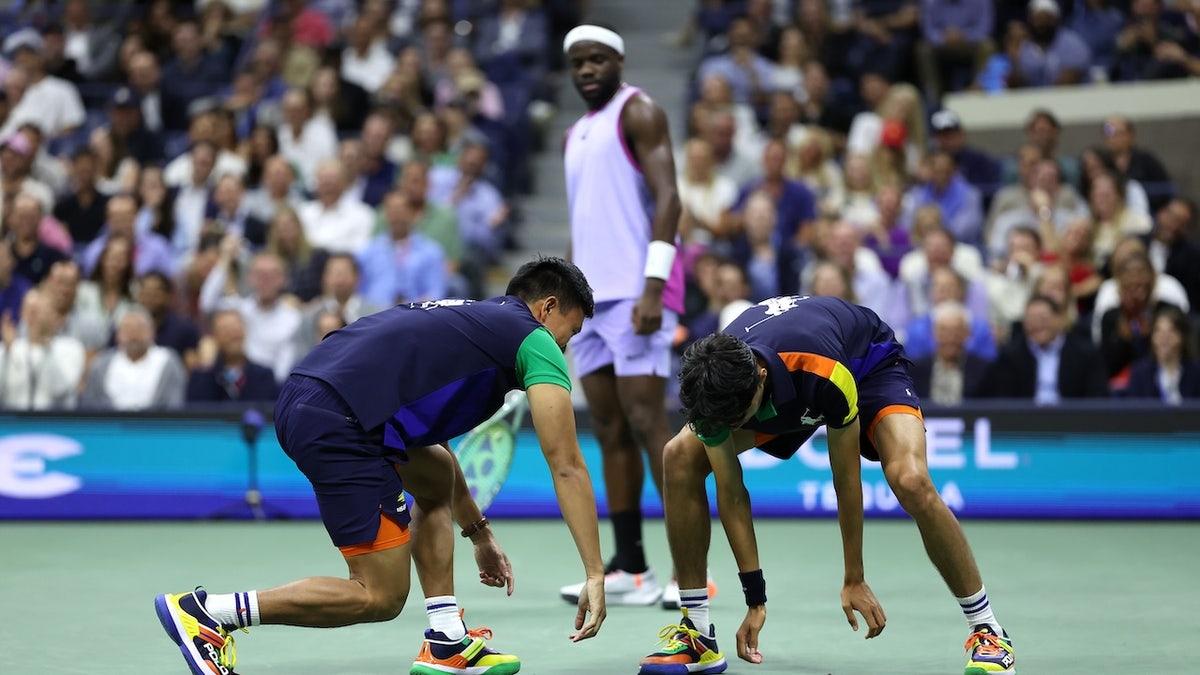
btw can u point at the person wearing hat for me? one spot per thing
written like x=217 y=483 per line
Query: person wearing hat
x=53 y=103
x=130 y=137
x=976 y=166
x=1046 y=53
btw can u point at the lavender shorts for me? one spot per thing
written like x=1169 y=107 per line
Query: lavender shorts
x=608 y=339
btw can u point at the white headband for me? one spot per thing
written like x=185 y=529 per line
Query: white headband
x=589 y=33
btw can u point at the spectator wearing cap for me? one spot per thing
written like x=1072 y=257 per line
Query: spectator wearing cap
x=976 y=166
x=83 y=209
x=1045 y=53
x=50 y=102
x=956 y=43
x=1136 y=163
x=130 y=137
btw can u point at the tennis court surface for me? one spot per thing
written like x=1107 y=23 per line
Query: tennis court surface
x=1077 y=597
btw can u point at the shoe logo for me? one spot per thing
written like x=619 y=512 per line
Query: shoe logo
x=1007 y=661
x=215 y=659
x=401 y=505
x=806 y=420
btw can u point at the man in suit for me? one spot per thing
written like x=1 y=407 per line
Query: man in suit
x=1171 y=248
x=1048 y=364
x=232 y=376
x=951 y=373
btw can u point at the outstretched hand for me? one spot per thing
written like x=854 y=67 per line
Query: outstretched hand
x=747 y=634
x=494 y=568
x=857 y=597
x=591 y=600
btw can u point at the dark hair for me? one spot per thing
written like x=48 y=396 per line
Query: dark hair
x=1047 y=301
x=1182 y=325
x=718 y=377
x=1029 y=231
x=1043 y=114
x=545 y=276
x=167 y=284
x=348 y=258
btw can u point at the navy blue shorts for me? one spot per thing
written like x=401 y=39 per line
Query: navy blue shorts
x=886 y=391
x=351 y=471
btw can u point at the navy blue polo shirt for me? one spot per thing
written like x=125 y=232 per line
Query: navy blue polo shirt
x=817 y=350
x=431 y=371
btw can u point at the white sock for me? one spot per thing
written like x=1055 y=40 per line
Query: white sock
x=443 y=616
x=234 y=610
x=694 y=603
x=978 y=611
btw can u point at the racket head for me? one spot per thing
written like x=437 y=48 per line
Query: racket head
x=486 y=453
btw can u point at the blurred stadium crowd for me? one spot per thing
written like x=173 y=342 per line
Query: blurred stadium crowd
x=194 y=193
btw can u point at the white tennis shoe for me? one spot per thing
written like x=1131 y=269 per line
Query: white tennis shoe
x=623 y=588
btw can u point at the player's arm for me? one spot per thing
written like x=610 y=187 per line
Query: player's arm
x=648 y=132
x=847 y=483
x=494 y=566
x=554 y=420
x=542 y=370
x=733 y=504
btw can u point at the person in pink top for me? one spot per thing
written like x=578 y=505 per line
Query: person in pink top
x=624 y=210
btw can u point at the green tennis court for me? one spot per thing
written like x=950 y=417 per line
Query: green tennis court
x=1077 y=597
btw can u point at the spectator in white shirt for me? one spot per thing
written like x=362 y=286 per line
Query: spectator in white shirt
x=278 y=189
x=305 y=139
x=366 y=61
x=336 y=221
x=203 y=129
x=41 y=369
x=192 y=199
x=136 y=374
x=271 y=321
x=50 y=102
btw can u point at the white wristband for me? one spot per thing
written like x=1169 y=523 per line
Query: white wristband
x=660 y=258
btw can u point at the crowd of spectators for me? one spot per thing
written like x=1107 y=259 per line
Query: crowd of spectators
x=196 y=192
x=819 y=158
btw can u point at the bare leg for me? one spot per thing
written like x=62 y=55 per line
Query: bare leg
x=624 y=473
x=900 y=439
x=429 y=476
x=376 y=591
x=643 y=401
x=689 y=524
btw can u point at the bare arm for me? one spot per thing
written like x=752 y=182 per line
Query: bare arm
x=733 y=502
x=847 y=482
x=647 y=132
x=554 y=420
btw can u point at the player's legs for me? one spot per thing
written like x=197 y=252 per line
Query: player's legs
x=642 y=400
x=900 y=440
x=624 y=473
x=431 y=476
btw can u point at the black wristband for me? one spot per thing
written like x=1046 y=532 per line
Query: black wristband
x=754 y=587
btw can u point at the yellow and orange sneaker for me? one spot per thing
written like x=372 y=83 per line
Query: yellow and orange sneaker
x=469 y=656
x=989 y=653
x=204 y=642
x=685 y=650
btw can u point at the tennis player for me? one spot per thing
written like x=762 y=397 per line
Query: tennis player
x=782 y=369
x=367 y=414
x=624 y=208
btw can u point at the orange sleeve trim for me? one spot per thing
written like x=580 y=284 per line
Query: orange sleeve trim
x=391 y=534
x=899 y=409
x=808 y=362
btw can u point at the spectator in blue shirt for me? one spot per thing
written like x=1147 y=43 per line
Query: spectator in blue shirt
x=979 y=168
x=481 y=210
x=957 y=43
x=1045 y=53
x=959 y=201
x=795 y=203
x=747 y=72
x=12 y=285
x=401 y=265
x=1099 y=23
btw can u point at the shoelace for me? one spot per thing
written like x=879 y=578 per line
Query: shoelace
x=986 y=644
x=669 y=636
x=227 y=653
x=482 y=632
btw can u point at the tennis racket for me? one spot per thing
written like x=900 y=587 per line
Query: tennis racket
x=486 y=452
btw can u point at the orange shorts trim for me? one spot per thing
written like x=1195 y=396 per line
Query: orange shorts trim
x=391 y=534
x=891 y=410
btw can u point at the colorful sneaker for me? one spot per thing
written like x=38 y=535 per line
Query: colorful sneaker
x=469 y=656
x=621 y=588
x=670 y=597
x=989 y=654
x=206 y=645
x=685 y=650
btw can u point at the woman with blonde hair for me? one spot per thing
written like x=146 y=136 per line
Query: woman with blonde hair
x=901 y=105
x=303 y=264
x=812 y=164
x=1114 y=219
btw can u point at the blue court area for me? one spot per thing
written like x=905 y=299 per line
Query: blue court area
x=1078 y=598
